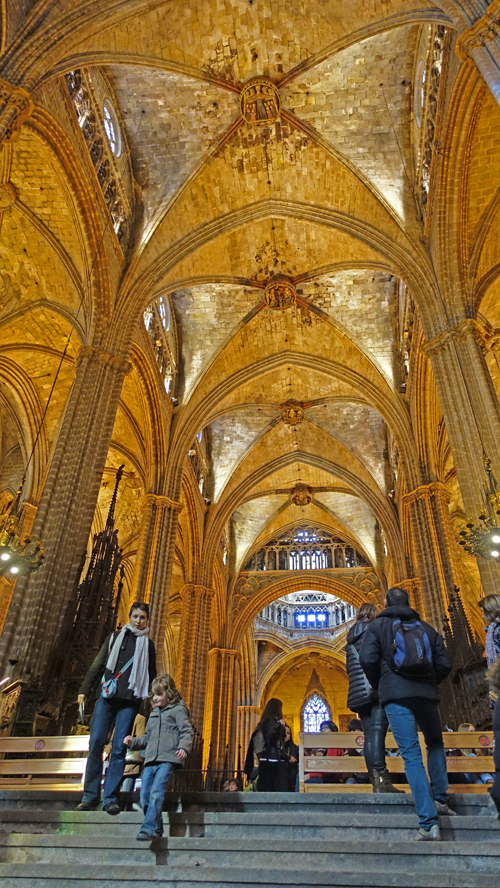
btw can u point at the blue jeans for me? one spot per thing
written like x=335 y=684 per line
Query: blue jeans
x=154 y=780
x=403 y=721
x=123 y=713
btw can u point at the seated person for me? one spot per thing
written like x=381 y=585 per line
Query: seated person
x=329 y=727
x=355 y=725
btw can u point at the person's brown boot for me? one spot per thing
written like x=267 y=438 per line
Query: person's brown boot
x=383 y=783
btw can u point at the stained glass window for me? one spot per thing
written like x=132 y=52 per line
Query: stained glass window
x=111 y=127
x=315 y=711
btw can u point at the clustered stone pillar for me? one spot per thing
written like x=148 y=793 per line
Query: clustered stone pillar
x=219 y=729
x=432 y=535
x=472 y=416
x=155 y=555
x=481 y=44
x=247 y=720
x=194 y=642
x=65 y=514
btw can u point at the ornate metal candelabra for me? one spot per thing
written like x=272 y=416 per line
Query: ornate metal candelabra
x=18 y=557
x=483 y=540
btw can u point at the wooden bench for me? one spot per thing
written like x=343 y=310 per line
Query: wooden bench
x=52 y=763
x=349 y=764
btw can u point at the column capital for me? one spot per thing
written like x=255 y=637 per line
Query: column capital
x=485 y=29
x=426 y=492
x=192 y=588
x=161 y=502
x=465 y=329
x=20 y=106
x=224 y=652
x=90 y=355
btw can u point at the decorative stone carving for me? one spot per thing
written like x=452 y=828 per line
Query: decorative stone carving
x=363 y=581
x=460 y=333
x=301 y=495
x=8 y=195
x=260 y=101
x=280 y=292
x=15 y=106
x=483 y=31
x=292 y=412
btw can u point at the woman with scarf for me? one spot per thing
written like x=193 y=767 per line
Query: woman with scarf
x=490 y=607
x=126 y=665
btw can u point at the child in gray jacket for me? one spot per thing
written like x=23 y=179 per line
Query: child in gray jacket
x=167 y=741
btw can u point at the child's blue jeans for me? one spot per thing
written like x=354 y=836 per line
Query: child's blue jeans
x=154 y=780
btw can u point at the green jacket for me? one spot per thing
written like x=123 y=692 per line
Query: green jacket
x=167 y=730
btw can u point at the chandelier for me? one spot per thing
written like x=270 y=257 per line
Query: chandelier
x=18 y=558
x=483 y=540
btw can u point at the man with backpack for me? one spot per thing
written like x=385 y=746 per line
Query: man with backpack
x=405 y=659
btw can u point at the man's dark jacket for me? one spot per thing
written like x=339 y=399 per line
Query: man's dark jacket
x=98 y=668
x=376 y=654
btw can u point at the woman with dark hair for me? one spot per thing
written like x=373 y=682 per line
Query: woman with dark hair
x=124 y=669
x=266 y=746
x=364 y=700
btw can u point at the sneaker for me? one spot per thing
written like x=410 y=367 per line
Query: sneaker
x=145 y=837
x=112 y=808
x=444 y=808
x=87 y=806
x=136 y=807
x=433 y=834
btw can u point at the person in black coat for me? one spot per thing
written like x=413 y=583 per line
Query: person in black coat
x=411 y=701
x=127 y=659
x=291 y=751
x=266 y=746
x=363 y=699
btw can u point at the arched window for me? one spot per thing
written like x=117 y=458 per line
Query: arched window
x=285 y=619
x=112 y=128
x=314 y=712
x=420 y=90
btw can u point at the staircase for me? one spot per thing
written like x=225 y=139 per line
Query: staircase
x=250 y=839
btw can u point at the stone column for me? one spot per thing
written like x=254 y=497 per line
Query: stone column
x=15 y=107
x=246 y=722
x=433 y=540
x=481 y=44
x=472 y=415
x=219 y=728
x=194 y=641
x=154 y=558
x=66 y=511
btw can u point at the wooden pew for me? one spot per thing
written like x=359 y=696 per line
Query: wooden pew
x=52 y=762
x=347 y=764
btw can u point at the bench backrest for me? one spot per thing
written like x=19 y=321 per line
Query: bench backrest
x=477 y=758
x=43 y=760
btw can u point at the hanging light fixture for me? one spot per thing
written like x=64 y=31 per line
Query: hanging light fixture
x=483 y=540
x=18 y=558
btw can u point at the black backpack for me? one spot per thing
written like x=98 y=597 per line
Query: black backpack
x=411 y=649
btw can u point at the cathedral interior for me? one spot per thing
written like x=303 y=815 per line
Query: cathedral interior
x=249 y=336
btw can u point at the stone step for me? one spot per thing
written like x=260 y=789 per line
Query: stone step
x=260 y=825
x=249 y=801
x=295 y=854
x=334 y=827
x=54 y=876
x=344 y=855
